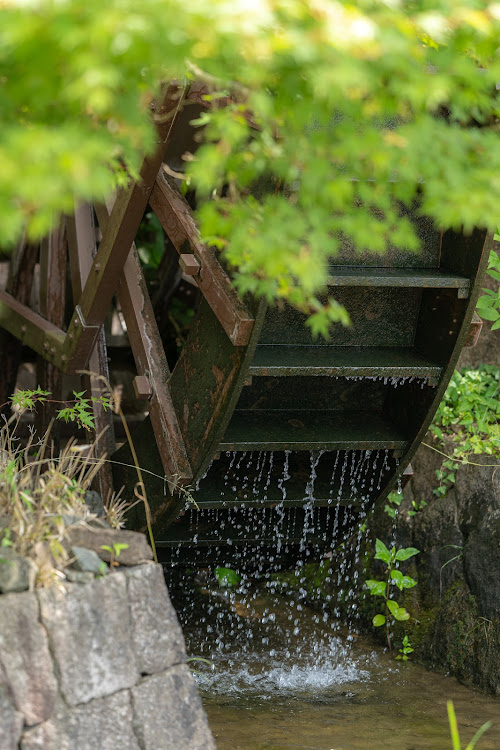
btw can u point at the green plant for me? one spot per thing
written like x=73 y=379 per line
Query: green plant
x=115 y=551
x=394 y=500
x=191 y=659
x=452 y=719
x=468 y=420
x=40 y=497
x=394 y=577
x=405 y=650
x=343 y=129
x=79 y=410
x=227 y=577
x=488 y=304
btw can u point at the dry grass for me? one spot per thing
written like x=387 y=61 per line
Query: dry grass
x=42 y=496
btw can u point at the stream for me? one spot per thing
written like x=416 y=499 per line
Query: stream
x=286 y=677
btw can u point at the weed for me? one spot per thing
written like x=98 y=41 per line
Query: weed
x=115 y=551
x=394 y=577
x=457 y=745
x=405 y=649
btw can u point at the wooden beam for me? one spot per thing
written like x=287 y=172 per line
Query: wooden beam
x=174 y=215
x=118 y=236
x=19 y=284
x=22 y=322
x=53 y=264
x=151 y=363
x=82 y=250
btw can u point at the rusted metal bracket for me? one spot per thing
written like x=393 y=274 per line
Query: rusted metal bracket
x=174 y=214
x=474 y=331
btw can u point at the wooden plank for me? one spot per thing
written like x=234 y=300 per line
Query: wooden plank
x=175 y=217
x=19 y=284
x=151 y=362
x=311 y=430
x=398 y=277
x=207 y=382
x=118 y=236
x=53 y=264
x=342 y=361
x=82 y=250
x=30 y=328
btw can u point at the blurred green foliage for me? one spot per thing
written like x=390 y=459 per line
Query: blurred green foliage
x=358 y=107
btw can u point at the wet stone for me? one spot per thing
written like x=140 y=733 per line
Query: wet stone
x=102 y=724
x=90 y=635
x=168 y=713
x=25 y=657
x=86 y=560
x=156 y=632
x=137 y=548
x=16 y=573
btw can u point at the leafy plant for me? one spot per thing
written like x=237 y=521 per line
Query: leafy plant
x=227 y=577
x=115 y=551
x=394 y=500
x=343 y=130
x=405 y=650
x=488 y=305
x=79 y=410
x=394 y=577
x=468 y=417
x=452 y=719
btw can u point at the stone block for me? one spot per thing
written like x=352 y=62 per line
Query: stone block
x=11 y=721
x=25 y=657
x=95 y=538
x=16 y=573
x=168 y=714
x=156 y=632
x=90 y=636
x=88 y=561
x=102 y=724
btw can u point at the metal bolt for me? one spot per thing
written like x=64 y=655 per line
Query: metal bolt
x=76 y=322
x=52 y=350
x=97 y=267
x=45 y=345
x=23 y=329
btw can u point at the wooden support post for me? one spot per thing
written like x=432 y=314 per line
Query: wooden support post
x=151 y=362
x=82 y=249
x=53 y=264
x=117 y=238
x=19 y=285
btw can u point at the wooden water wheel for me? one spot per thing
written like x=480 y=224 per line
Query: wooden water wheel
x=336 y=421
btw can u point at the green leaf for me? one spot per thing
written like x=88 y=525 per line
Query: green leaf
x=377 y=588
x=401 y=614
x=378 y=620
x=381 y=552
x=405 y=553
x=227 y=577
x=392 y=606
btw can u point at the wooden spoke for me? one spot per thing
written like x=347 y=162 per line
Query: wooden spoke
x=175 y=217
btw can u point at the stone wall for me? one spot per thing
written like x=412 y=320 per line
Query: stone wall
x=97 y=666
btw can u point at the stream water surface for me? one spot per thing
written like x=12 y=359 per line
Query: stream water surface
x=285 y=677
